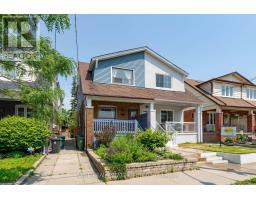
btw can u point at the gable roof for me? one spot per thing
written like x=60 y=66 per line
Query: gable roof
x=221 y=101
x=136 y=50
x=245 y=81
x=122 y=91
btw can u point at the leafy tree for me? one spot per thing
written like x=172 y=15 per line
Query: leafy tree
x=43 y=94
x=73 y=101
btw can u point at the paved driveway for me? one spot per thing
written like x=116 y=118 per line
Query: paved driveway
x=69 y=167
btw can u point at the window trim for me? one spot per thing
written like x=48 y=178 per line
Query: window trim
x=106 y=106
x=166 y=88
x=250 y=91
x=225 y=93
x=133 y=75
x=167 y=110
x=25 y=107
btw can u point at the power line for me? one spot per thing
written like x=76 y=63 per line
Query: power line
x=77 y=58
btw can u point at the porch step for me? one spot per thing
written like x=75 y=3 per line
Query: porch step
x=208 y=154
x=212 y=158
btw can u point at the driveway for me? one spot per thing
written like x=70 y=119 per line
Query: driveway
x=207 y=175
x=69 y=167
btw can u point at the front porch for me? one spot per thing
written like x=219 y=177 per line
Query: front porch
x=243 y=120
x=128 y=115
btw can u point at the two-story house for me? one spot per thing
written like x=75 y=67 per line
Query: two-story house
x=229 y=101
x=136 y=88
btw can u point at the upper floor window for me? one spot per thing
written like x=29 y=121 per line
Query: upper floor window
x=227 y=91
x=163 y=81
x=251 y=93
x=122 y=76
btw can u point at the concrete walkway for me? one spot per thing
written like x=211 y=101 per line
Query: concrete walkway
x=69 y=167
x=207 y=175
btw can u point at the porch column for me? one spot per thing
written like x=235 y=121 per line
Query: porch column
x=152 y=116
x=251 y=122
x=199 y=123
x=89 y=116
x=218 y=124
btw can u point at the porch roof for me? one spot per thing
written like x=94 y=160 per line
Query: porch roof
x=122 y=91
x=221 y=101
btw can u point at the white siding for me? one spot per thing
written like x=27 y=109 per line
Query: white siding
x=153 y=66
x=207 y=87
x=231 y=77
x=206 y=101
x=217 y=89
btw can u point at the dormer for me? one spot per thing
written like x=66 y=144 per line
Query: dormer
x=139 y=67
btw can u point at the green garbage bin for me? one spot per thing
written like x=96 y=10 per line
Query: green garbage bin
x=80 y=142
x=62 y=144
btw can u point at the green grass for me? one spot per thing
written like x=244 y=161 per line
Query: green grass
x=217 y=148
x=12 y=168
x=251 y=181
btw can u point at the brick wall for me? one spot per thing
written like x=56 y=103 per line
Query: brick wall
x=189 y=115
x=251 y=123
x=89 y=127
x=121 y=108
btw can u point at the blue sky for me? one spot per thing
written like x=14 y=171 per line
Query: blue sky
x=206 y=46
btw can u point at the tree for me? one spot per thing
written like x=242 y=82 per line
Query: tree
x=73 y=101
x=41 y=95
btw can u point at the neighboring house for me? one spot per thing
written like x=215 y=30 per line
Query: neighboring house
x=229 y=101
x=10 y=103
x=132 y=89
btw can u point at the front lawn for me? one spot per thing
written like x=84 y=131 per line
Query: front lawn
x=251 y=181
x=217 y=148
x=12 y=168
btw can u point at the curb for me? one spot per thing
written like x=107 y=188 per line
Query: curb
x=24 y=177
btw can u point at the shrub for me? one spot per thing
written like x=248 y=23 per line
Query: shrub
x=101 y=151
x=108 y=134
x=242 y=138
x=152 y=139
x=18 y=134
x=229 y=140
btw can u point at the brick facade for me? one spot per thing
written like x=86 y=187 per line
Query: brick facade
x=122 y=109
x=251 y=123
x=89 y=111
x=189 y=115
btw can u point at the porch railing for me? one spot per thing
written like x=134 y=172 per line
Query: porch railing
x=180 y=127
x=121 y=126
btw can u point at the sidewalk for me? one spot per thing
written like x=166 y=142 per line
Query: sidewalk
x=69 y=167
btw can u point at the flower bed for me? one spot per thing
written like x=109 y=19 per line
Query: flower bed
x=141 y=169
x=137 y=155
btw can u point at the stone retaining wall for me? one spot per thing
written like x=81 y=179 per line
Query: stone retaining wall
x=142 y=169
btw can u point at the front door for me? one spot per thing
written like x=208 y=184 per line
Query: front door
x=132 y=114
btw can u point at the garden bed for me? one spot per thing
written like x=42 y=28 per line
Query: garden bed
x=141 y=169
x=251 y=181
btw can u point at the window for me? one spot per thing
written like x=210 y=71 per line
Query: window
x=107 y=113
x=166 y=116
x=122 y=76
x=227 y=91
x=163 y=81
x=23 y=111
x=211 y=118
x=251 y=93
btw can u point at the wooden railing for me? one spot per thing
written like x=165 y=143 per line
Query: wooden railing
x=120 y=126
x=180 y=127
